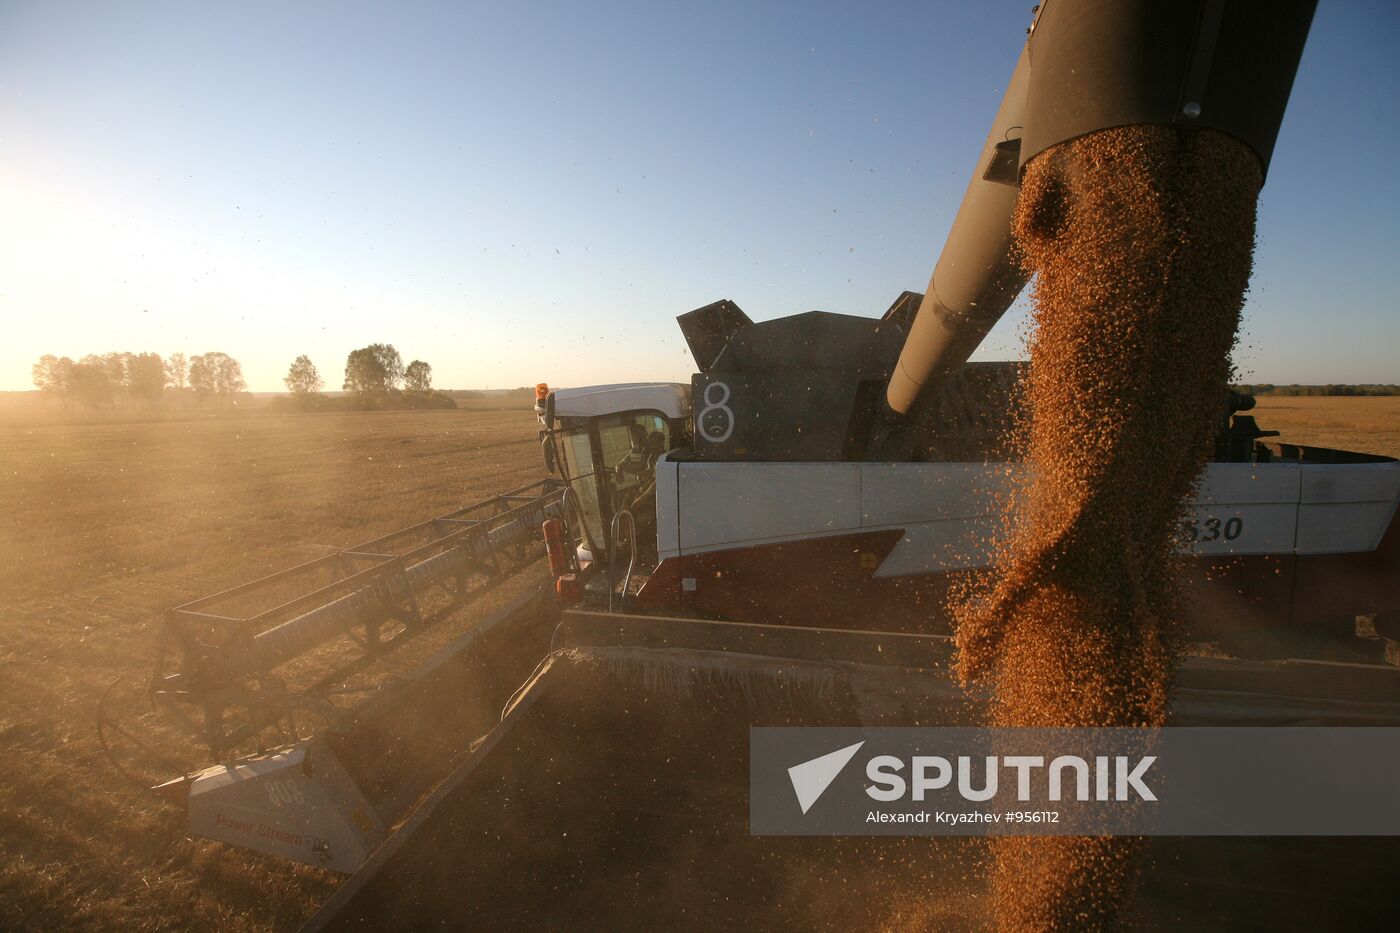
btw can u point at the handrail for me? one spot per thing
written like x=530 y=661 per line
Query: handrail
x=569 y=498
x=613 y=529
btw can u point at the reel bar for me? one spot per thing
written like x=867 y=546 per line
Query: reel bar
x=226 y=644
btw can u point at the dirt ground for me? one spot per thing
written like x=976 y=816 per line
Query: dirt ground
x=103 y=525
x=107 y=520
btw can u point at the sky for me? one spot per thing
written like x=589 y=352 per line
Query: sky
x=525 y=192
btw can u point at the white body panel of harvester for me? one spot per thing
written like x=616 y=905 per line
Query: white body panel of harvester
x=948 y=511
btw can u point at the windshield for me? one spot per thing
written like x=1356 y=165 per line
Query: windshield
x=577 y=450
x=629 y=445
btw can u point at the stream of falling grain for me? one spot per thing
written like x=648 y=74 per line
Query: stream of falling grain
x=1140 y=240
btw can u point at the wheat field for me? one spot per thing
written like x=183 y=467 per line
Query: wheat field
x=107 y=520
x=106 y=523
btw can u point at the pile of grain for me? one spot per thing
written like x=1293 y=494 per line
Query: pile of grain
x=1140 y=239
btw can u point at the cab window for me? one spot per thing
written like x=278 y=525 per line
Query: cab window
x=631 y=444
x=577 y=450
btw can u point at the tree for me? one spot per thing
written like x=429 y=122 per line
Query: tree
x=145 y=376
x=202 y=375
x=110 y=372
x=94 y=380
x=54 y=377
x=177 y=370
x=373 y=370
x=216 y=374
x=302 y=378
x=418 y=377
x=230 y=381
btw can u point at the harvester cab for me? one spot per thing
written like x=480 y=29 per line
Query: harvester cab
x=605 y=441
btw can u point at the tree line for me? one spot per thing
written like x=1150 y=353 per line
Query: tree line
x=124 y=379
x=1266 y=388
x=375 y=377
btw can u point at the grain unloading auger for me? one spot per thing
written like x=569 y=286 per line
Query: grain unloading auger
x=772 y=544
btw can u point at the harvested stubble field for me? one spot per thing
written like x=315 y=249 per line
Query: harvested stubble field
x=1369 y=424
x=105 y=523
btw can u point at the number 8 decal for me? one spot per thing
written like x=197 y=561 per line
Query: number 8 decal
x=717 y=431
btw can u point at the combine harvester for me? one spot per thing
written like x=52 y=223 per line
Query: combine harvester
x=770 y=545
